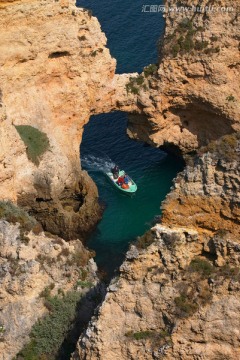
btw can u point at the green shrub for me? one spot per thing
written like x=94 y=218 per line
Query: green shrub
x=139 y=80
x=200 y=45
x=182 y=40
x=84 y=284
x=184 y=306
x=150 y=70
x=175 y=49
x=13 y=214
x=224 y=148
x=230 y=98
x=135 y=84
x=155 y=336
x=79 y=258
x=229 y=272
x=214 y=38
x=48 y=333
x=185 y=24
x=201 y=266
x=142 y=335
x=36 y=141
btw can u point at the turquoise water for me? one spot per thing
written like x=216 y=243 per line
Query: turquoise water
x=126 y=217
x=132 y=38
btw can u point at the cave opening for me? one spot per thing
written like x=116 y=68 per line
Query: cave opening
x=104 y=144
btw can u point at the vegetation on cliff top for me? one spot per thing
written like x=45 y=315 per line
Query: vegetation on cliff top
x=48 y=333
x=183 y=40
x=226 y=148
x=13 y=214
x=137 y=83
x=36 y=141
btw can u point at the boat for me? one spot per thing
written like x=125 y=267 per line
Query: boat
x=132 y=187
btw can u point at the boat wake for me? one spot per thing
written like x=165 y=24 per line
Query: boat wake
x=97 y=164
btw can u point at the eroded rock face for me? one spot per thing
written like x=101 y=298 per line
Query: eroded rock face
x=205 y=196
x=163 y=307
x=178 y=291
x=28 y=265
x=194 y=96
x=55 y=71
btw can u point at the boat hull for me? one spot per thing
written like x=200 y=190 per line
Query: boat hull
x=132 y=186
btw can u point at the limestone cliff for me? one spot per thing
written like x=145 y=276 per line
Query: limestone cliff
x=55 y=71
x=177 y=296
x=193 y=97
x=178 y=292
x=31 y=266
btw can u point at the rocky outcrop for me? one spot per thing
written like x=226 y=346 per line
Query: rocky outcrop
x=206 y=195
x=31 y=265
x=194 y=95
x=168 y=303
x=55 y=71
x=178 y=291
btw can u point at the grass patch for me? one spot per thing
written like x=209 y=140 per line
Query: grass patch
x=36 y=141
x=184 y=306
x=230 y=98
x=84 y=284
x=48 y=333
x=202 y=267
x=150 y=70
x=13 y=214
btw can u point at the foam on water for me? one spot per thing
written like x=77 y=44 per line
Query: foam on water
x=97 y=164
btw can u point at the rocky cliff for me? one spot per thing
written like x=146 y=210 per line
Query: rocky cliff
x=193 y=96
x=55 y=71
x=177 y=295
x=178 y=292
x=33 y=268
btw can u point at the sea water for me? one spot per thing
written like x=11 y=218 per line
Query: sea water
x=132 y=39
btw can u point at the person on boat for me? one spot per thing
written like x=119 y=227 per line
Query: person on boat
x=126 y=179
x=120 y=180
x=115 y=172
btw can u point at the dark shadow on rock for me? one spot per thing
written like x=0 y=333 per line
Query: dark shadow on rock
x=86 y=308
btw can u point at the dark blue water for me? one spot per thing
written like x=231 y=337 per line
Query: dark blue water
x=132 y=37
x=132 y=34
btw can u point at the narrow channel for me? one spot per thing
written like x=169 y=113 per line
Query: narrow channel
x=132 y=39
x=125 y=217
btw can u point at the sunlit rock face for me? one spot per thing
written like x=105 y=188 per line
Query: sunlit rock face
x=55 y=71
x=164 y=304
x=194 y=95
